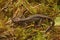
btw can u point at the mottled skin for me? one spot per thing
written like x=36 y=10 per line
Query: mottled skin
x=32 y=18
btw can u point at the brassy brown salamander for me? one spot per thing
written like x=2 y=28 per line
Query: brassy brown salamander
x=31 y=18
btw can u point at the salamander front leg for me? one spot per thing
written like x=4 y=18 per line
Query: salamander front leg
x=38 y=23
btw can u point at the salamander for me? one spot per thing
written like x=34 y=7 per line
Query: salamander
x=31 y=18
x=36 y=17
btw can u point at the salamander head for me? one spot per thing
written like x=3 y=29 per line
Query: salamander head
x=16 y=19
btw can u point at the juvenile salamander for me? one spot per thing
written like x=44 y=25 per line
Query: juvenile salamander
x=36 y=17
